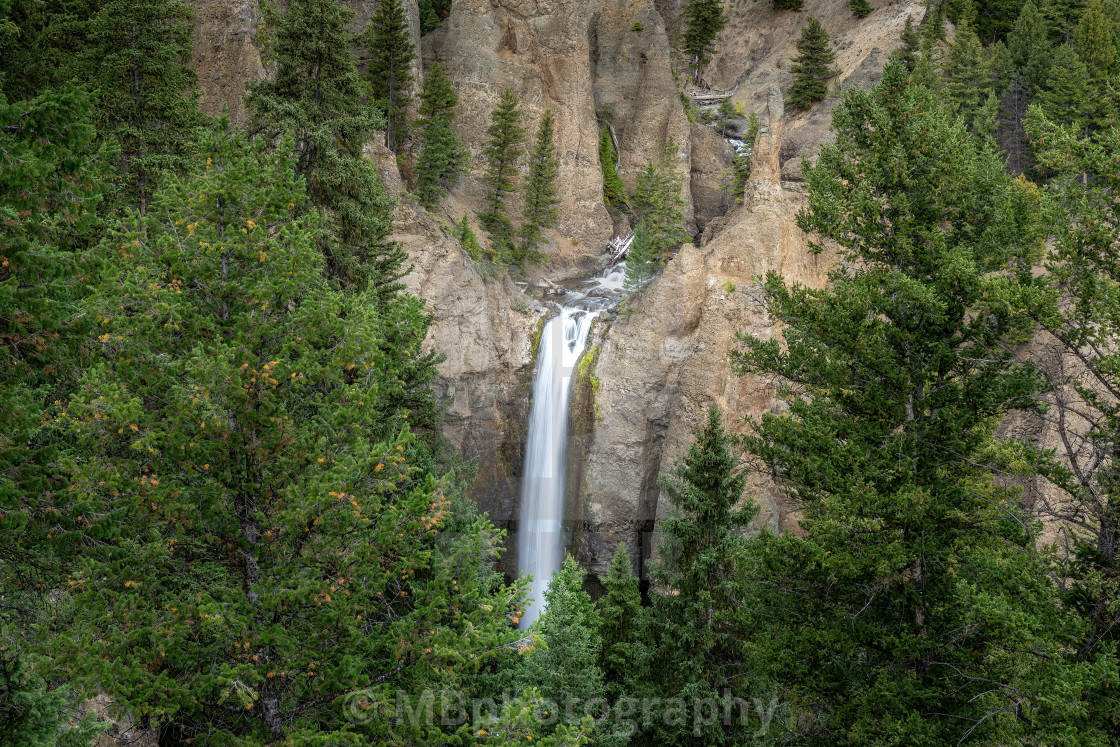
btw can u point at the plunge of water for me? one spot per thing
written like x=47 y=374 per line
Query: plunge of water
x=540 y=541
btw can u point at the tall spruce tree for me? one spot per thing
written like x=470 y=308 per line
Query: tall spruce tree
x=812 y=68
x=970 y=79
x=703 y=19
x=1084 y=272
x=914 y=608
x=390 y=52
x=51 y=189
x=1068 y=95
x=659 y=205
x=910 y=50
x=443 y=157
x=642 y=260
x=698 y=654
x=1096 y=38
x=136 y=56
x=614 y=190
x=540 y=194
x=503 y=151
x=622 y=625
x=263 y=532
x=1029 y=45
x=317 y=98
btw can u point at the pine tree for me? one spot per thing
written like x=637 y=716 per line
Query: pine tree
x=698 y=652
x=390 y=68
x=1029 y=45
x=51 y=189
x=1083 y=268
x=970 y=79
x=703 y=19
x=135 y=54
x=316 y=97
x=915 y=585
x=659 y=205
x=614 y=191
x=443 y=157
x=1095 y=37
x=464 y=234
x=812 y=68
x=861 y=8
x=567 y=662
x=622 y=623
x=1068 y=95
x=541 y=199
x=794 y=5
x=269 y=531
x=33 y=716
x=503 y=150
x=910 y=50
x=642 y=260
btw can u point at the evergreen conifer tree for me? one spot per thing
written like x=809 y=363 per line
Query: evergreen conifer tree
x=1068 y=95
x=541 y=199
x=316 y=97
x=861 y=8
x=33 y=716
x=614 y=191
x=970 y=80
x=1029 y=45
x=135 y=54
x=704 y=19
x=51 y=188
x=910 y=50
x=915 y=588
x=268 y=528
x=390 y=68
x=443 y=157
x=622 y=624
x=812 y=68
x=503 y=150
x=659 y=205
x=1095 y=37
x=567 y=662
x=794 y=5
x=698 y=652
x=642 y=260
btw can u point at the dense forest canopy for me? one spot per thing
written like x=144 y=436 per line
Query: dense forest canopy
x=226 y=502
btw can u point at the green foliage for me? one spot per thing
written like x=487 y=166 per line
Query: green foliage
x=316 y=98
x=637 y=27
x=390 y=54
x=1083 y=269
x=1068 y=95
x=794 y=5
x=1029 y=45
x=812 y=68
x=861 y=8
x=1096 y=39
x=971 y=80
x=642 y=260
x=741 y=161
x=914 y=609
x=503 y=150
x=614 y=191
x=32 y=716
x=135 y=55
x=703 y=20
x=269 y=532
x=911 y=45
x=432 y=13
x=659 y=205
x=467 y=239
x=698 y=650
x=623 y=622
x=51 y=185
x=540 y=194
x=443 y=157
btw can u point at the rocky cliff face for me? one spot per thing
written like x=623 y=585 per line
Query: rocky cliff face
x=595 y=63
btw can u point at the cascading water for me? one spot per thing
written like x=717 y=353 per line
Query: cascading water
x=540 y=552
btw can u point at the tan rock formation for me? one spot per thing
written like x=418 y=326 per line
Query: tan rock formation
x=660 y=369
x=575 y=57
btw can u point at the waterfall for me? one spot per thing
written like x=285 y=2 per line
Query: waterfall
x=540 y=540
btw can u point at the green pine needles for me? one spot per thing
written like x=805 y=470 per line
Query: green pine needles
x=503 y=151
x=614 y=191
x=703 y=19
x=539 y=192
x=390 y=54
x=812 y=68
x=443 y=157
